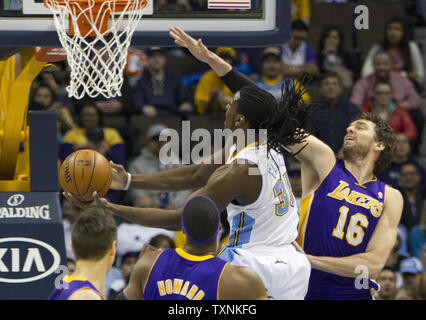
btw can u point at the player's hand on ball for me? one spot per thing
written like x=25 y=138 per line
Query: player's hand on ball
x=119 y=176
x=97 y=201
x=197 y=48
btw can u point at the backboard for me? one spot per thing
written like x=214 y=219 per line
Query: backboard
x=239 y=23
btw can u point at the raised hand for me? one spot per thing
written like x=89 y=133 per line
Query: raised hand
x=196 y=47
x=119 y=176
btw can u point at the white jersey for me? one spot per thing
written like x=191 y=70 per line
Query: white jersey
x=271 y=220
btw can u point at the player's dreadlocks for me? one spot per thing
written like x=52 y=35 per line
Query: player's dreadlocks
x=284 y=120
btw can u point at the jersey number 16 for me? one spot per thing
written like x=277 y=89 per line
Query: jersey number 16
x=355 y=231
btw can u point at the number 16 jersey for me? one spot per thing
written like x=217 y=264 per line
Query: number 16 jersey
x=338 y=220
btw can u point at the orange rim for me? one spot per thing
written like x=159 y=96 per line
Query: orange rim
x=101 y=14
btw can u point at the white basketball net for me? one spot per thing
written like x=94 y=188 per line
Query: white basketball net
x=96 y=62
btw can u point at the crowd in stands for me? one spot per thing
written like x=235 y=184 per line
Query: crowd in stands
x=388 y=82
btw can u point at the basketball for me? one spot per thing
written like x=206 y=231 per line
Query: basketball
x=83 y=172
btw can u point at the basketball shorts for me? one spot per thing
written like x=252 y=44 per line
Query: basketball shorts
x=284 y=270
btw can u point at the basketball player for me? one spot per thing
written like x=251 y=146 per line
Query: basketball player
x=94 y=244
x=349 y=218
x=253 y=186
x=196 y=273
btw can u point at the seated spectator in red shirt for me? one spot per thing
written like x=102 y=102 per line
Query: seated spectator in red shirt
x=383 y=105
x=403 y=89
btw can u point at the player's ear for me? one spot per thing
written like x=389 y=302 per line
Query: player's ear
x=113 y=248
x=241 y=120
x=72 y=249
x=380 y=146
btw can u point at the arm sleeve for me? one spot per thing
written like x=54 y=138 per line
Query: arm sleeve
x=234 y=80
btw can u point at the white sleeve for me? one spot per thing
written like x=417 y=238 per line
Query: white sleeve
x=417 y=60
x=367 y=67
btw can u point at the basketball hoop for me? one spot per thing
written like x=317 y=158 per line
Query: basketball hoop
x=96 y=37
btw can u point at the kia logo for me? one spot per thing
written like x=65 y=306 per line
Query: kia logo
x=15 y=200
x=11 y=260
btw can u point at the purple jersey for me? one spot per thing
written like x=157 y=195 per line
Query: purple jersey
x=338 y=220
x=178 y=275
x=71 y=285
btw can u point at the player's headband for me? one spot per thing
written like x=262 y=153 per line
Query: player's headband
x=210 y=239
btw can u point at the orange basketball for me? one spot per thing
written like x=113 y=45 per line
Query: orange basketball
x=83 y=172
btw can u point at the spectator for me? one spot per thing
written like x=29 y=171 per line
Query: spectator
x=387 y=282
x=385 y=107
x=301 y=10
x=43 y=98
x=417 y=236
x=412 y=272
x=132 y=237
x=159 y=93
x=92 y=134
x=405 y=54
x=149 y=161
x=334 y=113
x=56 y=76
x=272 y=78
x=298 y=55
x=404 y=92
x=402 y=154
x=406 y=293
x=332 y=58
x=128 y=261
x=211 y=94
x=162 y=241
x=413 y=193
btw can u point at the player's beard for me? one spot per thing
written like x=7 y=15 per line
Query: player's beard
x=355 y=152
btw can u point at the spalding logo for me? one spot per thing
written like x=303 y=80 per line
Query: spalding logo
x=15 y=200
x=33 y=257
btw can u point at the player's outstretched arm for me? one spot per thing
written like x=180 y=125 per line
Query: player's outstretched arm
x=227 y=183
x=241 y=283
x=174 y=179
x=378 y=248
x=200 y=51
x=232 y=78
